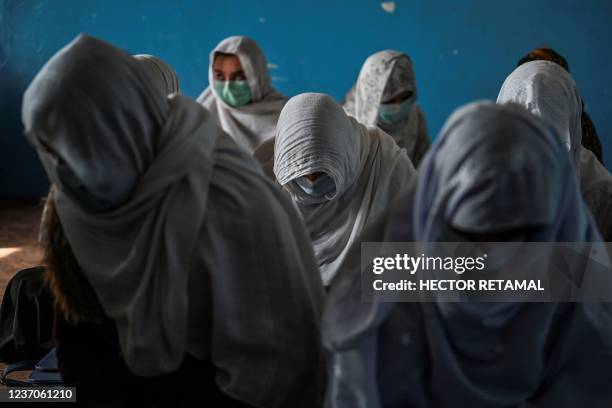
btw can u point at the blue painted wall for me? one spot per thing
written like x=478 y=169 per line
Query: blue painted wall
x=462 y=49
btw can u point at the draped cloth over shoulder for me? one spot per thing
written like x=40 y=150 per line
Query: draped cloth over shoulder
x=368 y=169
x=254 y=122
x=549 y=91
x=493 y=169
x=383 y=76
x=156 y=201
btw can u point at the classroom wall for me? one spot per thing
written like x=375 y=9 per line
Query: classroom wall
x=462 y=50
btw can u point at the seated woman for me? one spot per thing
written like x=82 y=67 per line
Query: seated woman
x=26 y=315
x=339 y=173
x=515 y=185
x=590 y=139
x=548 y=90
x=163 y=214
x=240 y=94
x=385 y=96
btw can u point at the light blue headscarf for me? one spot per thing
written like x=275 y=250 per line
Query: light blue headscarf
x=493 y=168
x=499 y=168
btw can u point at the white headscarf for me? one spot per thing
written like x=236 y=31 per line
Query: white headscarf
x=187 y=245
x=161 y=73
x=315 y=135
x=383 y=76
x=254 y=122
x=548 y=90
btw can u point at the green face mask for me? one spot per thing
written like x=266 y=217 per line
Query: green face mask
x=234 y=93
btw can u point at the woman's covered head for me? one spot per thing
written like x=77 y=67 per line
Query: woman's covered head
x=94 y=119
x=316 y=150
x=499 y=172
x=548 y=91
x=239 y=72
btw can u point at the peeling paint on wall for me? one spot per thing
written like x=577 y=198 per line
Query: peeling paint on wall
x=388 y=6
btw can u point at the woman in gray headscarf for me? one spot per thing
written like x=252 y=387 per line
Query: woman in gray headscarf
x=339 y=173
x=161 y=76
x=495 y=173
x=164 y=215
x=385 y=96
x=548 y=90
x=240 y=94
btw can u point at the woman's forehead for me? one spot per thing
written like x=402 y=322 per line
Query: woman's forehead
x=227 y=61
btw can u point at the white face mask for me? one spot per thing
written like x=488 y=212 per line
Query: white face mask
x=321 y=186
